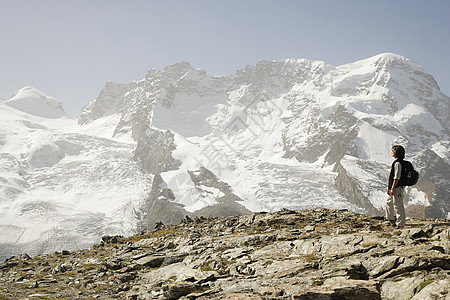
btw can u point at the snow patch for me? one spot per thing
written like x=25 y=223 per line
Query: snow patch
x=187 y=114
x=416 y=197
x=373 y=143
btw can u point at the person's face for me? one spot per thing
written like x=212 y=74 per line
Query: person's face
x=393 y=153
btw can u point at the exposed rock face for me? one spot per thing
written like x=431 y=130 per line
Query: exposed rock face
x=154 y=151
x=311 y=254
x=227 y=203
x=107 y=103
x=353 y=190
x=161 y=209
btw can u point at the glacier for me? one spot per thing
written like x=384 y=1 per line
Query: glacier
x=291 y=134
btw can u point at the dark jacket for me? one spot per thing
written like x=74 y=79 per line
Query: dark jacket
x=391 y=175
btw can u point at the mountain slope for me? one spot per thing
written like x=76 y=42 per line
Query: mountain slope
x=316 y=113
x=293 y=134
x=62 y=187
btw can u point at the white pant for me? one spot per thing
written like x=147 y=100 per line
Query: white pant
x=394 y=207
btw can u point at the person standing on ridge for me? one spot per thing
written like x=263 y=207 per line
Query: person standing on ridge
x=395 y=211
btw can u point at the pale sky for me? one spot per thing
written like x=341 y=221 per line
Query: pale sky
x=70 y=49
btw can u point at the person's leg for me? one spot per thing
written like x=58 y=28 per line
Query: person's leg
x=390 y=213
x=399 y=207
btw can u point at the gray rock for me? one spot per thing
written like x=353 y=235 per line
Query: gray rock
x=357 y=271
x=384 y=265
x=152 y=261
x=436 y=290
x=400 y=289
x=60 y=269
x=172 y=259
x=414 y=233
x=178 y=289
x=154 y=151
x=310 y=228
x=342 y=289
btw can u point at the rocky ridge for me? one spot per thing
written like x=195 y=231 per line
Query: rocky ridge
x=304 y=254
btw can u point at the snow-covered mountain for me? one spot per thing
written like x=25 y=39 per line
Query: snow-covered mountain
x=61 y=185
x=281 y=134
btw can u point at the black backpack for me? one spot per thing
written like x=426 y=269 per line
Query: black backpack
x=409 y=175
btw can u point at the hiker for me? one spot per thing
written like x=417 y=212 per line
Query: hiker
x=395 y=211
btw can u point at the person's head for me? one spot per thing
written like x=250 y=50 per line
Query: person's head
x=398 y=152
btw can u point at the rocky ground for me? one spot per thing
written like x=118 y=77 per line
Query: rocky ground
x=308 y=254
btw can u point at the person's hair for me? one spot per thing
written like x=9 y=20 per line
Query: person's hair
x=399 y=151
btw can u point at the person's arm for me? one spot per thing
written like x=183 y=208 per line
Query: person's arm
x=397 y=175
x=394 y=185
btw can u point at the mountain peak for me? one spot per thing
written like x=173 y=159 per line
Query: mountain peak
x=34 y=102
x=389 y=56
x=182 y=66
x=389 y=59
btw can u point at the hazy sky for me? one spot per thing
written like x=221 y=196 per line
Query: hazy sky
x=69 y=49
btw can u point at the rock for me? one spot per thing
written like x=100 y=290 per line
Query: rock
x=332 y=245
x=114 y=264
x=264 y=256
x=60 y=269
x=179 y=289
x=405 y=265
x=124 y=278
x=414 y=233
x=111 y=239
x=172 y=259
x=310 y=228
x=154 y=150
x=241 y=269
x=24 y=256
x=229 y=295
x=39 y=296
x=158 y=225
x=153 y=261
x=431 y=290
x=357 y=271
x=445 y=238
x=342 y=289
x=400 y=289
x=384 y=265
